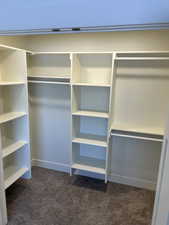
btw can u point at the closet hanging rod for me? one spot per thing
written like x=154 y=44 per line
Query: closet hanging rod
x=47 y=82
x=137 y=137
x=47 y=77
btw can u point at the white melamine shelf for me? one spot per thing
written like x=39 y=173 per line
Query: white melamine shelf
x=91 y=114
x=7 y=83
x=146 y=130
x=90 y=142
x=10 y=116
x=142 y=58
x=91 y=84
x=9 y=149
x=12 y=174
x=88 y=168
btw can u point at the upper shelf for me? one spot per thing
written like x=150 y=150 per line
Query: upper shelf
x=142 y=56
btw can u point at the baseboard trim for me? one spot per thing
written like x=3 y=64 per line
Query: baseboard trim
x=116 y=178
x=51 y=165
x=132 y=181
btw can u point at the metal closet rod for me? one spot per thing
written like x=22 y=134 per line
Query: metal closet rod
x=47 y=82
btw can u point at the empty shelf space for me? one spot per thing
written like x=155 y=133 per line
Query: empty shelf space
x=49 y=65
x=146 y=130
x=91 y=114
x=12 y=174
x=12 y=147
x=91 y=84
x=92 y=68
x=91 y=140
x=8 y=83
x=11 y=116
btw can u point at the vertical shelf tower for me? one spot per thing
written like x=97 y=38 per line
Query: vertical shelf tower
x=91 y=105
x=14 y=118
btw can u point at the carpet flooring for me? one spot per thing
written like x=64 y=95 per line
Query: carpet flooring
x=55 y=198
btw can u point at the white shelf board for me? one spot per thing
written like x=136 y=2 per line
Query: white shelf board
x=146 y=130
x=91 y=114
x=142 y=58
x=90 y=142
x=10 y=116
x=66 y=77
x=7 y=83
x=91 y=84
x=11 y=148
x=88 y=168
x=12 y=174
x=6 y=47
x=66 y=53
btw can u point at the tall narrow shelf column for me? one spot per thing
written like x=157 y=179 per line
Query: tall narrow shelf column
x=14 y=116
x=91 y=90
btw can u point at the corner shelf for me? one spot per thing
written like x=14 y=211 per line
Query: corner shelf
x=12 y=174
x=91 y=114
x=11 y=116
x=12 y=147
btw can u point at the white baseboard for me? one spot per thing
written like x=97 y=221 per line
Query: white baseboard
x=132 y=181
x=51 y=165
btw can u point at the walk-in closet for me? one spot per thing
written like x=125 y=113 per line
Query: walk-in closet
x=83 y=128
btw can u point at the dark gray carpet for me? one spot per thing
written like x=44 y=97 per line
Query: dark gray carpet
x=55 y=198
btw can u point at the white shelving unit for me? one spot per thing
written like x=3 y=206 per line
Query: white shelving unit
x=91 y=90
x=112 y=93
x=14 y=116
